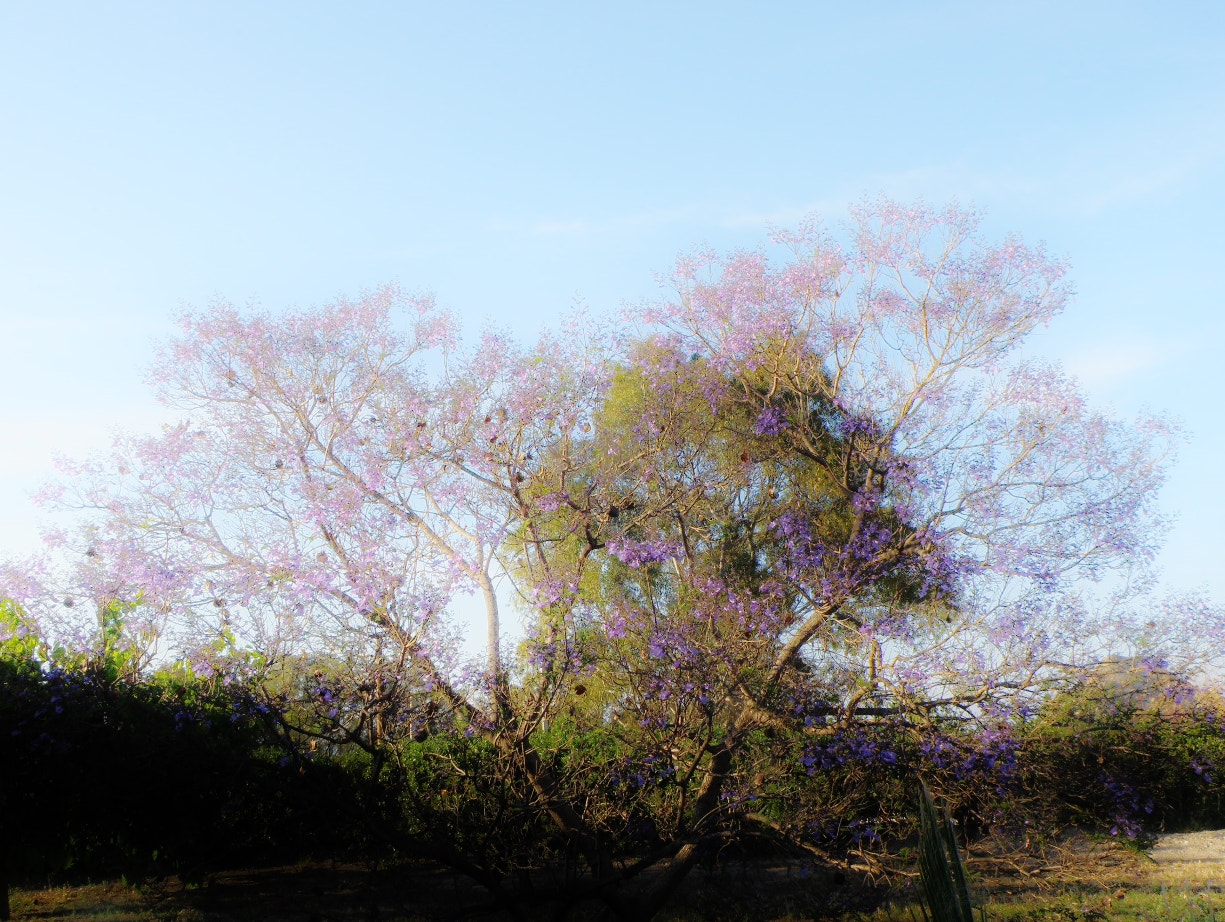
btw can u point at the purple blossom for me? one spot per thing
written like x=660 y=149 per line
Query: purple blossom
x=636 y=554
x=770 y=421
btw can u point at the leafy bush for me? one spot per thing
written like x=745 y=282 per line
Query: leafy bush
x=109 y=773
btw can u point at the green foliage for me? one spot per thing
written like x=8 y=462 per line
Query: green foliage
x=942 y=876
x=1128 y=761
x=20 y=646
x=107 y=773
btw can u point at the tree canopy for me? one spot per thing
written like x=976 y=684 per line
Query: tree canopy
x=812 y=485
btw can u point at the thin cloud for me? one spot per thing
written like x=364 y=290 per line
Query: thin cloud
x=1145 y=163
x=789 y=214
x=1145 y=160
x=573 y=227
x=1142 y=183
x=1106 y=365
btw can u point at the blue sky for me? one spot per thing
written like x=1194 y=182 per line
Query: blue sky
x=515 y=158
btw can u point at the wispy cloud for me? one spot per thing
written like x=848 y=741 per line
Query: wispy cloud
x=1096 y=172
x=788 y=214
x=1146 y=162
x=1143 y=160
x=1103 y=366
x=581 y=226
x=701 y=216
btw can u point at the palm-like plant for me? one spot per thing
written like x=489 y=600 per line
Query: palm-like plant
x=942 y=876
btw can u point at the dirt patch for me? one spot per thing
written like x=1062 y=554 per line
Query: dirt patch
x=1189 y=859
x=1190 y=848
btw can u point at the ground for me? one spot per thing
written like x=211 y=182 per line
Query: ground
x=1181 y=878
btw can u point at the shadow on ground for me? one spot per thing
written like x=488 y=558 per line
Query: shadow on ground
x=427 y=893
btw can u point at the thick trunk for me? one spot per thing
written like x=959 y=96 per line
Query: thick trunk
x=564 y=814
x=703 y=832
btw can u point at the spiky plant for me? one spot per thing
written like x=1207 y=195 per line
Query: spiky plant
x=942 y=876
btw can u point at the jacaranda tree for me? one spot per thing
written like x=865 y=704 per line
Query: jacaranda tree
x=802 y=490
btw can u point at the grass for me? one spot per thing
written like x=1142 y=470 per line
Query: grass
x=1135 y=905
x=1095 y=882
x=114 y=902
x=111 y=901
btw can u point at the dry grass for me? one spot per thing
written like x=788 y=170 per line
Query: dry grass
x=1084 y=880
x=1091 y=880
x=112 y=901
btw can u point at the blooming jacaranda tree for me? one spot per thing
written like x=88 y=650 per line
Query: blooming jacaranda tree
x=813 y=485
x=831 y=486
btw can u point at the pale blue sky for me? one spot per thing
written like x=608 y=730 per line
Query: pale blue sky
x=514 y=157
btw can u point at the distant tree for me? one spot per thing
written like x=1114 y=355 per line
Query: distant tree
x=791 y=495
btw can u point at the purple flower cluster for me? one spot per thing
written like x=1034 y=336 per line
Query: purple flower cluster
x=992 y=757
x=1203 y=770
x=648 y=772
x=940 y=751
x=857 y=832
x=770 y=421
x=635 y=554
x=1127 y=804
x=850 y=749
x=852 y=426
